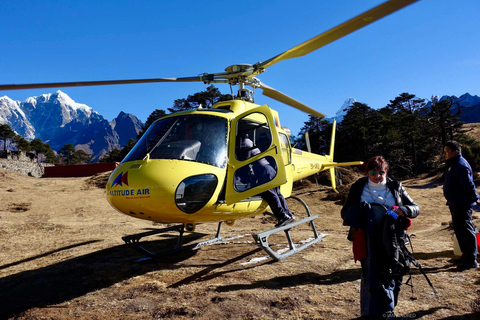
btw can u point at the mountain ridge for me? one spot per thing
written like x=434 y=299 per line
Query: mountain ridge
x=57 y=119
x=468 y=104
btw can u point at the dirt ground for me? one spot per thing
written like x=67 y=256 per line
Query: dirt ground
x=62 y=257
x=473 y=130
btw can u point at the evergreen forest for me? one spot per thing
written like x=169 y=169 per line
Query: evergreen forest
x=408 y=132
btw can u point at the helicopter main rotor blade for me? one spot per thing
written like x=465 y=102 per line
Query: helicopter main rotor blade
x=277 y=95
x=205 y=77
x=339 y=31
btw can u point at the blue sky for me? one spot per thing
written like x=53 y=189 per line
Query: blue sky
x=429 y=47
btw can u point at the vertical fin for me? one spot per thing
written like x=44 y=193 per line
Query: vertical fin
x=309 y=149
x=332 y=178
x=330 y=157
x=332 y=141
x=307 y=141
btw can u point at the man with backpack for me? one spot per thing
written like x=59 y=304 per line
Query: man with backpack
x=459 y=190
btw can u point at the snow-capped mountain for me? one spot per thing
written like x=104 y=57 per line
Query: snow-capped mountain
x=12 y=114
x=57 y=120
x=343 y=110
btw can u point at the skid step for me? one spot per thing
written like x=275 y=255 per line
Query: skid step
x=261 y=239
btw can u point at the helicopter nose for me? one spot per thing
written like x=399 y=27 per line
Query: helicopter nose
x=194 y=192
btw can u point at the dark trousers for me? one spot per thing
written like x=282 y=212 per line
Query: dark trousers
x=465 y=232
x=378 y=292
x=277 y=203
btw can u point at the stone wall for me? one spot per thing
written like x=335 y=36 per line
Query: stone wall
x=18 y=155
x=27 y=167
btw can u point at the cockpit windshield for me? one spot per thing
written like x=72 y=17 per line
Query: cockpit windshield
x=200 y=138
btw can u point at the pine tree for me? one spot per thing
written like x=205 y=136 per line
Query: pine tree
x=40 y=147
x=69 y=156
x=445 y=122
x=21 y=143
x=319 y=133
x=6 y=132
x=404 y=118
x=359 y=133
x=206 y=99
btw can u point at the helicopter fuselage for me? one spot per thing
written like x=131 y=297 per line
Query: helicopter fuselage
x=187 y=166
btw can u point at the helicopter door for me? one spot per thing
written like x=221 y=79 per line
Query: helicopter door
x=255 y=162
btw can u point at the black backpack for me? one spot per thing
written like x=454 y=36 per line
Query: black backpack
x=396 y=258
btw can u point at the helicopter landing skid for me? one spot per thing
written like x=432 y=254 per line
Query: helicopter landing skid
x=261 y=239
x=134 y=241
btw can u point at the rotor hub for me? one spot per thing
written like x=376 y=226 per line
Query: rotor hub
x=239 y=68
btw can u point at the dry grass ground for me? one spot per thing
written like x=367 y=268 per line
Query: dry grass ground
x=62 y=257
x=473 y=130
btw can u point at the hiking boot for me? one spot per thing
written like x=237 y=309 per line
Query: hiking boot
x=467 y=265
x=458 y=260
x=284 y=221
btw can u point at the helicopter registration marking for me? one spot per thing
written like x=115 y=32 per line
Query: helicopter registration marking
x=131 y=192
x=315 y=165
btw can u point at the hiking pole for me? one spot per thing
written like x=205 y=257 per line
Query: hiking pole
x=419 y=266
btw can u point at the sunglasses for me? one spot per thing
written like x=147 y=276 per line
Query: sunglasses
x=373 y=172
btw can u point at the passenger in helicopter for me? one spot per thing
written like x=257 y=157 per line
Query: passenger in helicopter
x=262 y=172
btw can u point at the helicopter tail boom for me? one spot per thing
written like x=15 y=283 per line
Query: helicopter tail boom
x=308 y=163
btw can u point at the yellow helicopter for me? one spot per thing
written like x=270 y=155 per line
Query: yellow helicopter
x=186 y=168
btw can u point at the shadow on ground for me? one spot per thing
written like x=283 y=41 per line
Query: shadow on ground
x=297 y=280
x=76 y=277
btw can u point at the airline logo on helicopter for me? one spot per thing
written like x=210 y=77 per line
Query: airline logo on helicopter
x=275 y=120
x=122 y=179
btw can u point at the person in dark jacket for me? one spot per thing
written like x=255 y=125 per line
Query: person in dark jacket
x=461 y=195
x=379 y=289
x=262 y=173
